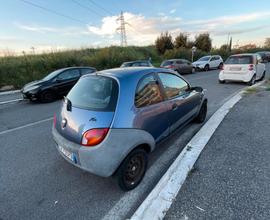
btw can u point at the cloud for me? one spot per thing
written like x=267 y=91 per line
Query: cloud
x=172 y=11
x=54 y=30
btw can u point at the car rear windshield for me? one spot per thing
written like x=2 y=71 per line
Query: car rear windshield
x=239 y=60
x=97 y=93
x=167 y=63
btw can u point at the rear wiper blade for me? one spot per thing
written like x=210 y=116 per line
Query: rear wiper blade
x=68 y=103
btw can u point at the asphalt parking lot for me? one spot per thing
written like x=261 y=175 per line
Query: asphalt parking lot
x=36 y=182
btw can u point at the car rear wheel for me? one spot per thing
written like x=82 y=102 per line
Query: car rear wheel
x=47 y=96
x=220 y=66
x=252 y=81
x=221 y=81
x=132 y=170
x=206 y=68
x=202 y=114
x=263 y=76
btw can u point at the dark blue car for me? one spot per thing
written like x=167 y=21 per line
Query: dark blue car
x=111 y=120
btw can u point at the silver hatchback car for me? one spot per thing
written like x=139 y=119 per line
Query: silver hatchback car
x=111 y=120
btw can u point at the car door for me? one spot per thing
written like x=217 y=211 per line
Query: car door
x=188 y=66
x=66 y=80
x=259 y=66
x=182 y=103
x=212 y=62
x=151 y=111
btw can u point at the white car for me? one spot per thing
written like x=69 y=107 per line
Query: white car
x=246 y=68
x=208 y=62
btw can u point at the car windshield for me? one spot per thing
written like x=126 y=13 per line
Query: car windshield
x=97 y=93
x=239 y=60
x=167 y=63
x=52 y=75
x=126 y=64
x=204 y=58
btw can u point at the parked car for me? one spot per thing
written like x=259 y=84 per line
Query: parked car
x=243 y=67
x=137 y=63
x=180 y=65
x=54 y=85
x=208 y=62
x=265 y=56
x=110 y=121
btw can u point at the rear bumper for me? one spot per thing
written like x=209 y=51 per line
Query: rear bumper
x=103 y=159
x=240 y=77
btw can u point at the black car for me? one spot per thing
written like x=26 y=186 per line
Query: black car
x=137 y=63
x=55 y=85
x=265 y=56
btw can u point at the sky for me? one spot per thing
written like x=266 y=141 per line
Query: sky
x=73 y=24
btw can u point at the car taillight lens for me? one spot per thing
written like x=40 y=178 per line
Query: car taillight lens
x=94 y=136
x=54 y=120
x=251 y=67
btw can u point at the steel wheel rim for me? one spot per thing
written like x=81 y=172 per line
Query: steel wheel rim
x=135 y=170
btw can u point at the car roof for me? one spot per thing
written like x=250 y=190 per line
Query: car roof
x=243 y=54
x=77 y=67
x=131 y=72
x=137 y=61
x=173 y=59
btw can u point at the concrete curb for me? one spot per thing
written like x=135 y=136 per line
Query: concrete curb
x=158 y=202
x=9 y=92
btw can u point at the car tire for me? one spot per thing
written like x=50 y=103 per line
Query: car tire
x=252 y=81
x=221 y=81
x=193 y=70
x=263 y=76
x=220 y=66
x=202 y=114
x=47 y=96
x=132 y=170
x=206 y=68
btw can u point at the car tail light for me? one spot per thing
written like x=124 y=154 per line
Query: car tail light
x=251 y=67
x=171 y=66
x=94 y=136
x=54 y=120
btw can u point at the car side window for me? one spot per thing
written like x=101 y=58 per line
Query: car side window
x=173 y=85
x=86 y=71
x=212 y=59
x=179 y=62
x=69 y=74
x=147 y=92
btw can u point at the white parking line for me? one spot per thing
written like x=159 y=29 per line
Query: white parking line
x=11 y=101
x=25 y=126
x=9 y=92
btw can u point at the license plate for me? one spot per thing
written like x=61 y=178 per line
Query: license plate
x=65 y=152
x=235 y=68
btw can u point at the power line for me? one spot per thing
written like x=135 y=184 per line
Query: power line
x=99 y=6
x=52 y=11
x=87 y=8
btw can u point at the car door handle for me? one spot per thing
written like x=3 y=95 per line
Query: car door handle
x=174 y=106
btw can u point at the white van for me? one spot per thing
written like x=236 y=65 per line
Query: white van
x=244 y=68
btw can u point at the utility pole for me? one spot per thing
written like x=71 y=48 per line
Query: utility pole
x=122 y=29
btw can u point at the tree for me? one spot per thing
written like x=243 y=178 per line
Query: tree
x=164 y=42
x=203 y=42
x=224 y=47
x=181 y=40
x=267 y=42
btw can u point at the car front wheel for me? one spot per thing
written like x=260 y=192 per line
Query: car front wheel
x=202 y=114
x=206 y=68
x=132 y=170
x=47 y=96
